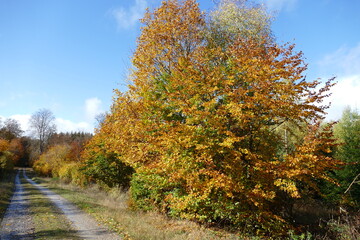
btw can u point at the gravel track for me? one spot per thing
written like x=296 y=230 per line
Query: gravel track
x=17 y=222
x=86 y=226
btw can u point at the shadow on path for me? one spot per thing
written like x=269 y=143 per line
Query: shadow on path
x=86 y=226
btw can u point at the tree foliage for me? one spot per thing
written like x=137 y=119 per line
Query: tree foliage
x=10 y=129
x=6 y=157
x=347 y=131
x=50 y=162
x=104 y=167
x=200 y=123
x=240 y=18
x=63 y=158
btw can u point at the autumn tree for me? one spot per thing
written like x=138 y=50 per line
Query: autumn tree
x=17 y=148
x=62 y=158
x=200 y=122
x=12 y=149
x=6 y=161
x=51 y=161
x=43 y=126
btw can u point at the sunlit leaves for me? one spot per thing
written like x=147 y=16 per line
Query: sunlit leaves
x=203 y=122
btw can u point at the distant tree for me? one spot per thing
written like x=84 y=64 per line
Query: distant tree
x=17 y=149
x=69 y=138
x=43 y=126
x=10 y=129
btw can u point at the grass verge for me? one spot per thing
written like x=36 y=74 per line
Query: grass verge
x=7 y=187
x=111 y=209
x=49 y=221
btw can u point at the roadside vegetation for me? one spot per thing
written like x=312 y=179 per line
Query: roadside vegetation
x=7 y=186
x=111 y=208
x=12 y=153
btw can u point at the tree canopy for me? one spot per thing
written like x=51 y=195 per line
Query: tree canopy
x=200 y=123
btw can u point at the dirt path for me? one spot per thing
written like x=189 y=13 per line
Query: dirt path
x=17 y=221
x=86 y=226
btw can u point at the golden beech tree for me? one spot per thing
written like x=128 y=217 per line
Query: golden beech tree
x=200 y=122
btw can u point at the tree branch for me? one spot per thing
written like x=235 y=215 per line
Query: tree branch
x=354 y=181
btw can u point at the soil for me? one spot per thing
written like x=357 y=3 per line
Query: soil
x=17 y=222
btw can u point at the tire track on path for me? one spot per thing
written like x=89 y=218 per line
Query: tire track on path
x=86 y=226
x=17 y=221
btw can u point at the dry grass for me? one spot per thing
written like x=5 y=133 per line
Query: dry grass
x=7 y=187
x=344 y=227
x=49 y=221
x=112 y=209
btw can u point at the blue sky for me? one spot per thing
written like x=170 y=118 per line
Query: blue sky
x=69 y=55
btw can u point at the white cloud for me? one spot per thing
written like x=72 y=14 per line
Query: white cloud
x=92 y=108
x=345 y=93
x=127 y=18
x=279 y=5
x=23 y=121
x=345 y=64
x=64 y=125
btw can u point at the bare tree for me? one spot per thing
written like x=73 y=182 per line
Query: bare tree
x=100 y=119
x=43 y=126
x=10 y=129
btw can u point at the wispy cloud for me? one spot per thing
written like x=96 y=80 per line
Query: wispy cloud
x=344 y=60
x=128 y=17
x=345 y=64
x=280 y=5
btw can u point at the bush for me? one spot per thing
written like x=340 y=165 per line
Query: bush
x=105 y=167
x=50 y=162
x=71 y=173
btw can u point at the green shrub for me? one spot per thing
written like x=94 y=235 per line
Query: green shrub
x=107 y=169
